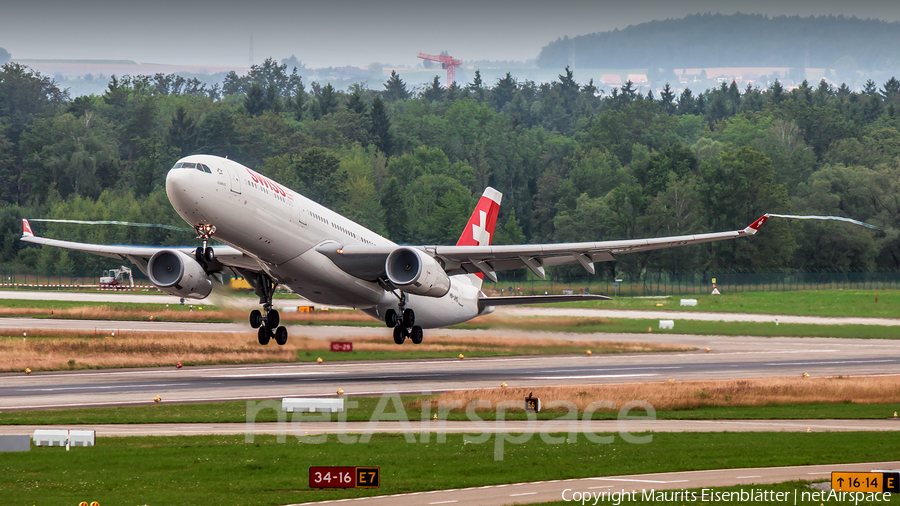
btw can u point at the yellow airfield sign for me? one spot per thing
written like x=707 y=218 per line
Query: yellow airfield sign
x=865 y=482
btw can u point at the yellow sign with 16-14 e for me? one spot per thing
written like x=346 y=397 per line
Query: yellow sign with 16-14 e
x=865 y=482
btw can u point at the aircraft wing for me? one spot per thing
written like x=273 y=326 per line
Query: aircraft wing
x=368 y=262
x=139 y=255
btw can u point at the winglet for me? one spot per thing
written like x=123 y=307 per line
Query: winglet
x=26 y=229
x=754 y=227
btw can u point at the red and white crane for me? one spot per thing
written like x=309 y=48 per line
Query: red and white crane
x=447 y=62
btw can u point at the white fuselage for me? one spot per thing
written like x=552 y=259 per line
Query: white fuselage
x=280 y=229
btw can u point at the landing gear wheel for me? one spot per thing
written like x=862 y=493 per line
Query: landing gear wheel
x=390 y=318
x=281 y=336
x=409 y=318
x=399 y=335
x=198 y=254
x=272 y=319
x=264 y=335
x=255 y=319
x=209 y=254
x=416 y=334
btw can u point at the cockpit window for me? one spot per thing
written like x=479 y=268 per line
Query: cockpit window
x=193 y=165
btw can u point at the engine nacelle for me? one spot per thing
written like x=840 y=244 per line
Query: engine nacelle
x=178 y=273
x=416 y=272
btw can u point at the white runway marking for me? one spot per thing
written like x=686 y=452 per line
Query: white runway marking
x=642 y=481
x=594 y=376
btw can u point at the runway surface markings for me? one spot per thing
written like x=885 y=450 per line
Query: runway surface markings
x=591 y=376
x=642 y=481
x=834 y=362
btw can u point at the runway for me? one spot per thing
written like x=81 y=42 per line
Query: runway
x=741 y=357
x=302 y=429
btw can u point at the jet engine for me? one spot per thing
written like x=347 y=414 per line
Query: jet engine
x=177 y=273
x=416 y=272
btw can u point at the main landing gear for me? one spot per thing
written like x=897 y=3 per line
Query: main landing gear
x=404 y=323
x=268 y=320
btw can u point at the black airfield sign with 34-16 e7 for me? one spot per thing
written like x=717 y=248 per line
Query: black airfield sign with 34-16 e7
x=866 y=482
x=344 y=477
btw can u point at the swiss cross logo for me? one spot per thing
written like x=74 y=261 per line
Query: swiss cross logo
x=479 y=231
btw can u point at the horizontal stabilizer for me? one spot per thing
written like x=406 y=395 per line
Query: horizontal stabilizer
x=536 y=299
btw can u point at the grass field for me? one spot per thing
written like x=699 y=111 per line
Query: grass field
x=194 y=470
x=860 y=303
x=711 y=328
x=765 y=398
x=801 y=489
x=810 y=303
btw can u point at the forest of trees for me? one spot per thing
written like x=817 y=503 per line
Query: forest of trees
x=572 y=164
x=737 y=40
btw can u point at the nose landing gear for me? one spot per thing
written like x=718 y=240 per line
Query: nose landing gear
x=404 y=323
x=204 y=254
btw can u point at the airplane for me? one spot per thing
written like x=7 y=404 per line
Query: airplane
x=274 y=236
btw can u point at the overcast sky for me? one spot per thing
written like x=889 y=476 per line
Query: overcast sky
x=346 y=32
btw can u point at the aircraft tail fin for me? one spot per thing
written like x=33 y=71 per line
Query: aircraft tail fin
x=479 y=230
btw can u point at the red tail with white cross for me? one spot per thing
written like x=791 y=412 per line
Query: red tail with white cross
x=480 y=229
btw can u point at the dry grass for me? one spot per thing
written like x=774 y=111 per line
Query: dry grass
x=681 y=395
x=47 y=350
x=547 y=323
x=50 y=349
x=125 y=313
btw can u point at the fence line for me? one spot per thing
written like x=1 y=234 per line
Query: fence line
x=649 y=283
x=662 y=283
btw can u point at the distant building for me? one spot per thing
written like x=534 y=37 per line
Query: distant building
x=638 y=79
x=611 y=80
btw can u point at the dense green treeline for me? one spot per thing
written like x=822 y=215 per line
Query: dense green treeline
x=845 y=44
x=572 y=164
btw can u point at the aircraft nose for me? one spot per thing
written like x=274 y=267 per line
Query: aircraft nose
x=181 y=188
x=177 y=181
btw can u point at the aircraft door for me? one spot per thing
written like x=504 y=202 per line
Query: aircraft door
x=299 y=211
x=234 y=176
